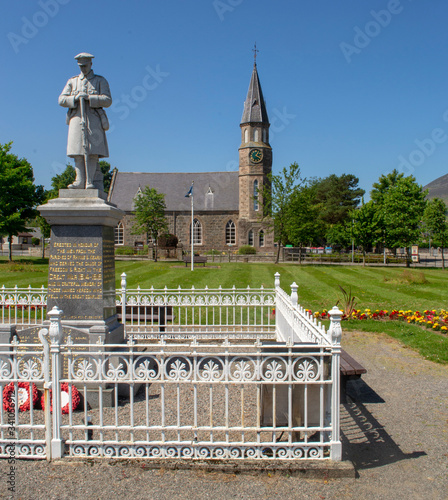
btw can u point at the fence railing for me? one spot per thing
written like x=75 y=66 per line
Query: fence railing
x=244 y=313
x=232 y=401
x=293 y=322
x=247 y=313
x=23 y=306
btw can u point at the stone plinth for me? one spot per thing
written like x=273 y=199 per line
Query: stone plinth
x=81 y=276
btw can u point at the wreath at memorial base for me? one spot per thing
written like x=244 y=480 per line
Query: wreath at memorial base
x=23 y=395
x=65 y=399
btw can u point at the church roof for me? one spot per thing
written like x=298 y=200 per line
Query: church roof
x=254 y=105
x=213 y=191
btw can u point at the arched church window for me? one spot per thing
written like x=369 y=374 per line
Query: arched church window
x=256 y=204
x=197 y=232
x=261 y=238
x=230 y=233
x=246 y=135
x=250 y=238
x=119 y=234
x=256 y=135
x=265 y=135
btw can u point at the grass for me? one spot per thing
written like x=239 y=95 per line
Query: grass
x=430 y=345
x=319 y=288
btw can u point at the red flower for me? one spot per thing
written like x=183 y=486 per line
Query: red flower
x=23 y=394
x=65 y=398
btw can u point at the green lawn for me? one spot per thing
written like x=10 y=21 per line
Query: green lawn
x=373 y=287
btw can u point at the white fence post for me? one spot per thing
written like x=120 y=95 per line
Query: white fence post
x=56 y=334
x=277 y=280
x=294 y=295
x=123 y=294
x=335 y=332
x=276 y=305
x=47 y=386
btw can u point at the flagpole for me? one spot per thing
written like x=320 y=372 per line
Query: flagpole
x=192 y=230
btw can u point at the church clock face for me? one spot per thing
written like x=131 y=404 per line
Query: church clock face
x=256 y=155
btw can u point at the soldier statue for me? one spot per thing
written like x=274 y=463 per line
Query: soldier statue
x=86 y=95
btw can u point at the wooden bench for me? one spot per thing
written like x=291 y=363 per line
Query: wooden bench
x=147 y=314
x=350 y=369
x=197 y=259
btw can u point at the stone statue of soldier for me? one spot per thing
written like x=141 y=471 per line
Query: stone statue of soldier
x=86 y=95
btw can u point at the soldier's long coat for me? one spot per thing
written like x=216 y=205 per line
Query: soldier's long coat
x=96 y=121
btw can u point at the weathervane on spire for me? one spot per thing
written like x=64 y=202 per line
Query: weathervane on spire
x=255 y=50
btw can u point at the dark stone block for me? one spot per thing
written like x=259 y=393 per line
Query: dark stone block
x=81 y=277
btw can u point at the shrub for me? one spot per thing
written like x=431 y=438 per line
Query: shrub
x=167 y=241
x=35 y=241
x=124 y=251
x=247 y=250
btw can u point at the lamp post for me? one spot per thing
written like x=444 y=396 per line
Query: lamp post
x=353 y=242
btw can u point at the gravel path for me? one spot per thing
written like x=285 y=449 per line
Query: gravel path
x=395 y=432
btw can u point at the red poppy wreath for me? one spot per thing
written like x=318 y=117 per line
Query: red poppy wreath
x=23 y=396
x=65 y=399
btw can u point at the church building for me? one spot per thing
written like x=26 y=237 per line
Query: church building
x=227 y=205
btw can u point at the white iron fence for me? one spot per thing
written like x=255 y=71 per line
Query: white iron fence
x=179 y=313
x=23 y=306
x=164 y=399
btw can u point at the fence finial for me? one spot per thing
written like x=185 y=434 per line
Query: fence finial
x=294 y=295
x=55 y=330
x=123 y=281
x=335 y=329
x=277 y=280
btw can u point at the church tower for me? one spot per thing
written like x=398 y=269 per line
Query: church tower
x=255 y=153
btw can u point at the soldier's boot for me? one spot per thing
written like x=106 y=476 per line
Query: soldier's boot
x=92 y=163
x=80 y=174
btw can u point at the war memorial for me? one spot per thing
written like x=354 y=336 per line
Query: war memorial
x=221 y=377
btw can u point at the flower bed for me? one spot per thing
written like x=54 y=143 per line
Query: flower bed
x=430 y=318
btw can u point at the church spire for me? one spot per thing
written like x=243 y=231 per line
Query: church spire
x=254 y=105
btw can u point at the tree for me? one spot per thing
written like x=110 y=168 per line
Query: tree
x=385 y=182
x=377 y=194
x=107 y=174
x=45 y=229
x=364 y=227
x=277 y=196
x=150 y=215
x=401 y=208
x=338 y=234
x=337 y=196
x=68 y=176
x=436 y=223
x=19 y=196
x=61 y=181
x=303 y=221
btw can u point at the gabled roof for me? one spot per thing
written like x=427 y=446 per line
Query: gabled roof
x=213 y=191
x=254 y=105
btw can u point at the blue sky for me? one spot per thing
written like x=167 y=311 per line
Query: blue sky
x=351 y=87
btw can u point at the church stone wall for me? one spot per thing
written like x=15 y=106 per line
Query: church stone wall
x=213 y=229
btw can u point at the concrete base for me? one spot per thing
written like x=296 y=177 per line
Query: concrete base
x=7 y=332
x=93 y=397
x=323 y=469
